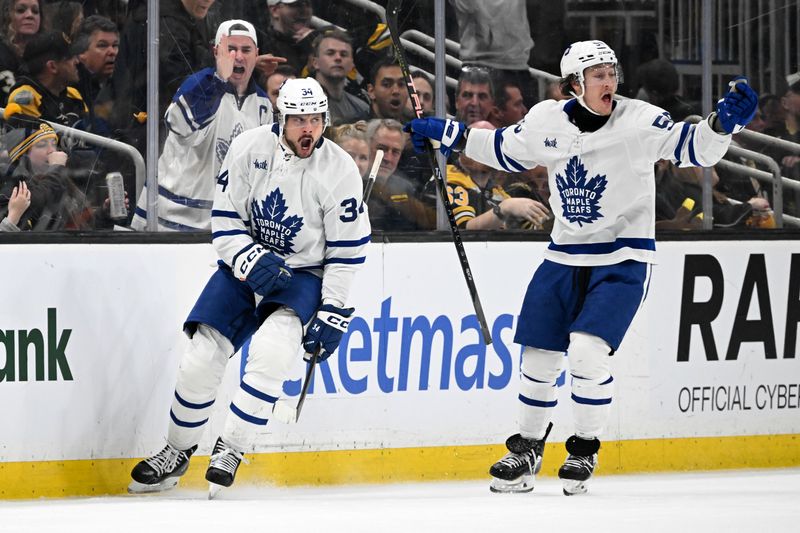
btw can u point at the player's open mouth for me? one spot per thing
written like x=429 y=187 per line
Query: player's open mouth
x=394 y=103
x=306 y=143
x=238 y=70
x=607 y=98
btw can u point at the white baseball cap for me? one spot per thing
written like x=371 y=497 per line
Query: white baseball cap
x=236 y=27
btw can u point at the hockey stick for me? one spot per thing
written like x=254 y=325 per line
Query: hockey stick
x=283 y=411
x=373 y=173
x=309 y=373
x=392 y=11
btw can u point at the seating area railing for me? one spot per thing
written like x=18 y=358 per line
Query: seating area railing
x=110 y=144
x=773 y=177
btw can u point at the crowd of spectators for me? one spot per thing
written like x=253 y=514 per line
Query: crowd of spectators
x=82 y=64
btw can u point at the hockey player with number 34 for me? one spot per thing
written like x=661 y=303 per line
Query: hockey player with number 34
x=290 y=227
x=599 y=152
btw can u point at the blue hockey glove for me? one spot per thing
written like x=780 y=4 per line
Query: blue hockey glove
x=447 y=132
x=738 y=107
x=326 y=331
x=263 y=271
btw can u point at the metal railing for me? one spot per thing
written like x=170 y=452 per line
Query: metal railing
x=409 y=36
x=452 y=83
x=773 y=176
x=785 y=183
x=451 y=46
x=111 y=144
x=421 y=44
x=367 y=5
x=421 y=51
x=781 y=218
x=768 y=140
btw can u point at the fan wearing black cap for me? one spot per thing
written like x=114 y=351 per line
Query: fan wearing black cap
x=46 y=90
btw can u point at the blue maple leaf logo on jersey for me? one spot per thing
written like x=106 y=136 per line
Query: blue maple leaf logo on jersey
x=222 y=147
x=271 y=227
x=580 y=198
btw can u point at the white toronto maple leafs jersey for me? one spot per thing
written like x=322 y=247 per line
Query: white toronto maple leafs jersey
x=602 y=183
x=307 y=211
x=204 y=117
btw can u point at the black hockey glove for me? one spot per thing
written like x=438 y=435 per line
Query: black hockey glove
x=326 y=330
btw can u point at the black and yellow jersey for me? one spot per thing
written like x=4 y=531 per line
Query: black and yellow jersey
x=29 y=98
x=467 y=198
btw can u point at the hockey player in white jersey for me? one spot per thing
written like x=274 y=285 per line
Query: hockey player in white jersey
x=291 y=230
x=209 y=110
x=599 y=152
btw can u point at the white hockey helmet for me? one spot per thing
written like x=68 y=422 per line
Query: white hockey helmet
x=302 y=96
x=584 y=54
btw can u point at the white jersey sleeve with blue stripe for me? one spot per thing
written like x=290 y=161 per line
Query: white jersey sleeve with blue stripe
x=346 y=227
x=203 y=119
x=195 y=105
x=602 y=183
x=682 y=143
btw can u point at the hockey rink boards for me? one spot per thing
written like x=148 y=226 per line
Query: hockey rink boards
x=707 y=377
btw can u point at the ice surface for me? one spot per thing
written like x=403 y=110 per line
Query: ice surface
x=760 y=500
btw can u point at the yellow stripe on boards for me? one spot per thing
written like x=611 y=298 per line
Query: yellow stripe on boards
x=55 y=479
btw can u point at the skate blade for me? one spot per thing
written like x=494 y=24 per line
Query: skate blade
x=213 y=490
x=573 y=487
x=520 y=485
x=141 y=488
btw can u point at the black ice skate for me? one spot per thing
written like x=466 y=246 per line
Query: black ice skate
x=515 y=472
x=222 y=469
x=161 y=471
x=579 y=465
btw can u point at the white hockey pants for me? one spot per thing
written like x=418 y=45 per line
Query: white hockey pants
x=274 y=350
x=199 y=375
x=592 y=386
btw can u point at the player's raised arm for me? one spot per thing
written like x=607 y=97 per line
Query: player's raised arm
x=504 y=149
x=195 y=104
x=702 y=144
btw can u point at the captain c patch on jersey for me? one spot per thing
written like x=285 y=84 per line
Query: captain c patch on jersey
x=272 y=227
x=580 y=198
